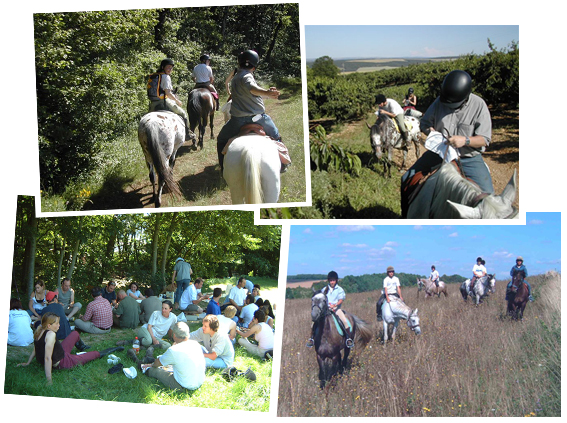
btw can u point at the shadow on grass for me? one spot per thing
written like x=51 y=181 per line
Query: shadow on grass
x=113 y=196
x=201 y=184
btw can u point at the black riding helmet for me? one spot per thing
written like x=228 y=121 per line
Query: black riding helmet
x=332 y=276
x=166 y=62
x=248 y=59
x=456 y=89
x=204 y=58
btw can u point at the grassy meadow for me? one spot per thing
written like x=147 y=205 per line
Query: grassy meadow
x=468 y=362
x=92 y=381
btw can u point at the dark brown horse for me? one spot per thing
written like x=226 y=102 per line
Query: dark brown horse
x=200 y=107
x=518 y=297
x=329 y=342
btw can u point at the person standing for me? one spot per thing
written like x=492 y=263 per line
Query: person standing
x=182 y=272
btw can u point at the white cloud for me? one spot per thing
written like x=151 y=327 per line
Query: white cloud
x=454 y=235
x=346 y=244
x=535 y=222
x=355 y=228
x=307 y=231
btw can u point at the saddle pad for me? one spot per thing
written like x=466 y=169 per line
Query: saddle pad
x=408 y=123
x=338 y=326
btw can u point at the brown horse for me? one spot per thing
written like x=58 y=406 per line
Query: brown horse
x=329 y=342
x=201 y=107
x=431 y=289
x=518 y=297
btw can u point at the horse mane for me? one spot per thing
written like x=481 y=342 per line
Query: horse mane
x=451 y=185
x=399 y=305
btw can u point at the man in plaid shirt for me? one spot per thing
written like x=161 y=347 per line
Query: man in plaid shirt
x=98 y=317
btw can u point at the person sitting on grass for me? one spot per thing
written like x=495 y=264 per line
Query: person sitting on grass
x=217 y=348
x=236 y=296
x=190 y=299
x=269 y=312
x=158 y=326
x=256 y=292
x=227 y=323
x=53 y=354
x=20 y=333
x=262 y=333
x=214 y=305
x=109 y=293
x=66 y=297
x=37 y=301
x=98 y=315
x=184 y=356
x=247 y=312
x=134 y=292
x=127 y=314
x=149 y=305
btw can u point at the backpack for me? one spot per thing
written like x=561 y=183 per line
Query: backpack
x=155 y=92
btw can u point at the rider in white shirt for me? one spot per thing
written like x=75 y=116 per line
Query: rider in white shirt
x=434 y=276
x=478 y=271
x=391 y=288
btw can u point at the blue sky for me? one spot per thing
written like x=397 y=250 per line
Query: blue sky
x=369 y=41
x=361 y=249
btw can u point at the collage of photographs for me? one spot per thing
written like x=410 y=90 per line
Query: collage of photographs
x=340 y=229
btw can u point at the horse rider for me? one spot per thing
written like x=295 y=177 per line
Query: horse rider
x=410 y=103
x=335 y=297
x=464 y=118
x=392 y=108
x=203 y=76
x=161 y=95
x=391 y=289
x=519 y=267
x=478 y=272
x=434 y=276
x=247 y=104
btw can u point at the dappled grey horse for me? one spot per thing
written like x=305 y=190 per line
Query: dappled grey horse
x=384 y=137
x=393 y=312
x=482 y=288
x=431 y=289
x=160 y=135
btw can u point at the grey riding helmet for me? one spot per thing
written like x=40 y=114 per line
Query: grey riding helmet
x=166 y=62
x=248 y=59
x=204 y=58
x=456 y=89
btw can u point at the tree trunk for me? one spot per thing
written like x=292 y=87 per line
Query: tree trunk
x=155 y=244
x=30 y=249
x=75 y=249
x=168 y=241
x=60 y=265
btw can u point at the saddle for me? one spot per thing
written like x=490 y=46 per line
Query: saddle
x=256 y=129
x=409 y=125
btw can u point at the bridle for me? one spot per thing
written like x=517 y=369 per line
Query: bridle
x=410 y=325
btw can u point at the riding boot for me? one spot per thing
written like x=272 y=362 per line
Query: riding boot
x=379 y=308
x=110 y=350
x=189 y=136
x=81 y=346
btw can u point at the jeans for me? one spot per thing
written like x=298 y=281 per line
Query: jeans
x=181 y=286
x=232 y=127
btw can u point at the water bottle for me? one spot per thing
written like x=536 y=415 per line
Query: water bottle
x=136 y=345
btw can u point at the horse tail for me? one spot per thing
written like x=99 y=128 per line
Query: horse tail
x=252 y=161
x=364 y=333
x=161 y=165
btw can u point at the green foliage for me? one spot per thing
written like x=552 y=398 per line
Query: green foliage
x=92 y=67
x=495 y=78
x=323 y=67
x=328 y=156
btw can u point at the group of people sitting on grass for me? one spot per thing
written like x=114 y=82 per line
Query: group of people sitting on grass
x=185 y=360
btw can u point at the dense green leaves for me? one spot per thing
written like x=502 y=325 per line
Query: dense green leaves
x=328 y=156
x=92 y=67
x=216 y=243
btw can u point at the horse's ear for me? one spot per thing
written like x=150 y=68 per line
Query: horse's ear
x=509 y=193
x=415 y=311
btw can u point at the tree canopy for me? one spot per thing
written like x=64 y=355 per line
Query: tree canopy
x=141 y=247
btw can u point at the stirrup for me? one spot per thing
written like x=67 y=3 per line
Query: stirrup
x=310 y=343
x=349 y=343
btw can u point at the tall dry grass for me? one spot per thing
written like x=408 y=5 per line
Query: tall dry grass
x=468 y=361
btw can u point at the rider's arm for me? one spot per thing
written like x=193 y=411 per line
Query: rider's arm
x=169 y=94
x=272 y=92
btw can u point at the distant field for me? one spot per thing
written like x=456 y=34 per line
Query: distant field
x=302 y=284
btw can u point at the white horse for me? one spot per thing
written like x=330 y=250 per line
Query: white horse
x=482 y=287
x=252 y=170
x=226 y=110
x=393 y=312
x=448 y=195
x=160 y=135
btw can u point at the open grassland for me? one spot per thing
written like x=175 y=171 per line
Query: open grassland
x=467 y=362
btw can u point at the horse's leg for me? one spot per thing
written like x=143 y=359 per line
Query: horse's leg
x=212 y=117
x=322 y=373
x=344 y=362
x=152 y=180
x=385 y=332
x=396 y=322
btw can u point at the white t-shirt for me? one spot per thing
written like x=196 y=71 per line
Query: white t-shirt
x=392 y=106
x=434 y=275
x=20 y=333
x=202 y=73
x=188 y=363
x=238 y=295
x=391 y=284
x=165 y=82
x=161 y=325
x=225 y=323
x=265 y=337
x=478 y=268
x=188 y=296
x=247 y=314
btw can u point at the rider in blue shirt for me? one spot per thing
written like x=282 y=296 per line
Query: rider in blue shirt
x=519 y=267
